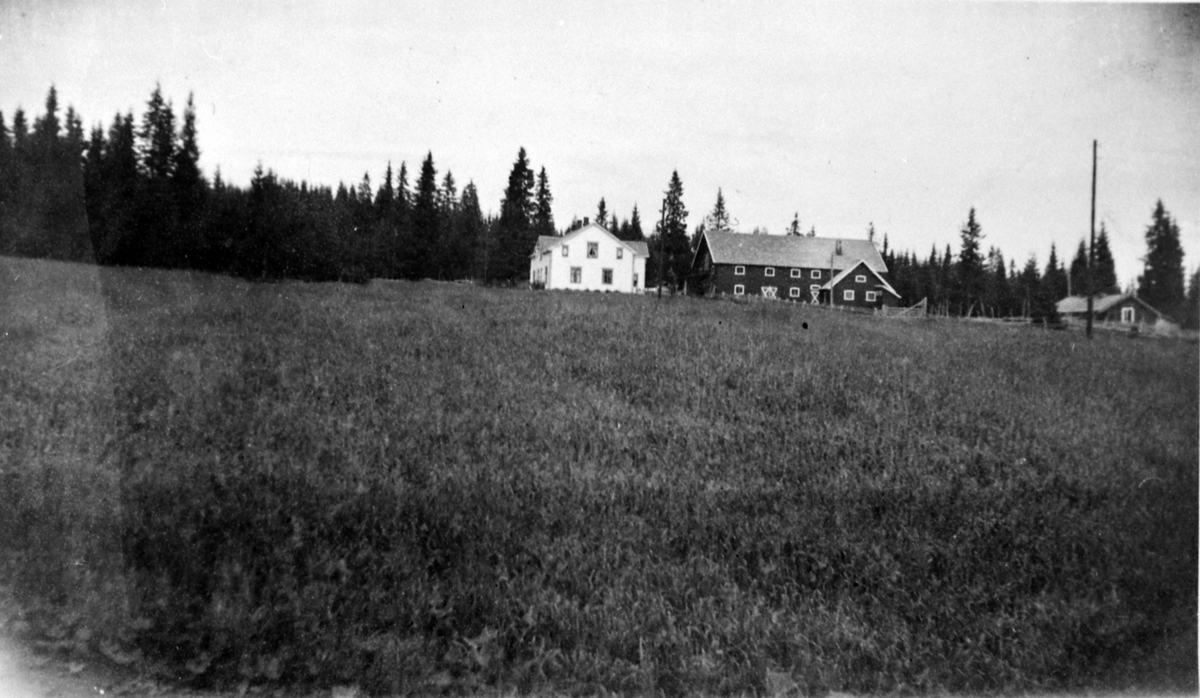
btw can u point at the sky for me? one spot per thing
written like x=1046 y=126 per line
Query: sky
x=904 y=115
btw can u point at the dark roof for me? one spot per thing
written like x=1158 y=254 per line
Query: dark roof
x=1077 y=305
x=791 y=251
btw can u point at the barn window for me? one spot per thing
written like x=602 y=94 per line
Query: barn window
x=1127 y=315
x=847 y=295
x=606 y=276
x=814 y=287
x=860 y=278
x=794 y=292
x=769 y=271
x=620 y=252
x=564 y=250
x=871 y=296
x=796 y=273
x=739 y=271
x=814 y=274
x=576 y=274
x=739 y=290
x=593 y=250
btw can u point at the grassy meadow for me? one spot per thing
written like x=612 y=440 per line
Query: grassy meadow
x=420 y=487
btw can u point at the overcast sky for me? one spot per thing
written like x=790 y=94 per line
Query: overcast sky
x=905 y=114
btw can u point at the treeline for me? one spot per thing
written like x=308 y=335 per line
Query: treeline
x=133 y=194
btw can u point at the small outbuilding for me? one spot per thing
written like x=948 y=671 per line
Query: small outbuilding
x=1120 y=310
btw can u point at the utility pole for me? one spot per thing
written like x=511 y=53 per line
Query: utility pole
x=1092 y=244
x=662 y=231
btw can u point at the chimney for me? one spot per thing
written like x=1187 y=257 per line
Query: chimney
x=585 y=220
x=838 y=249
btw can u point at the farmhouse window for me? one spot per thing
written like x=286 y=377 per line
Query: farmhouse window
x=769 y=271
x=635 y=280
x=794 y=292
x=847 y=295
x=739 y=271
x=593 y=250
x=871 y=295
x=796 y=273
x=860 y=278
x=565 y=253
x=606 y=276
x=620 y=252
x=739 y=289
x=814 y=274
x=1127 y=316
x=576 y=274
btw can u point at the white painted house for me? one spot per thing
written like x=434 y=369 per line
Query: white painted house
x=589 y=259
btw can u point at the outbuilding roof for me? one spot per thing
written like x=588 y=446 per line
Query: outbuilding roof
x=1077 y=305
x=791 y=251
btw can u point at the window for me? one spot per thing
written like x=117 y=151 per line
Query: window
x=860 y=278
x=871 y=296
x=796 y=273
x=814 y=287
x=814 y=274
x=847 y=295
x=739 y=290
x=593 y=250
x=1127 y=316
x=564 y=250
x=794 y=292
x=576 y=274
x=739 y=271
x=620 y=252
x=635 y=280
x=606 y=276
x=769 y=271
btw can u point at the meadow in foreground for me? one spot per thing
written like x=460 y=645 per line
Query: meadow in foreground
x=423 y=486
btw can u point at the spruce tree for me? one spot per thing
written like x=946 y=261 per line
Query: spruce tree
x=1077 y=273
x=794 y=226
x=1106 y=269
x=189 y=191
x=970 y=264
x=671 y=249
x=602 y=214
x=1191 y=318
x=1161 y=284
x=543 y=221
x=718 y=220
x=516 y=236
x=472 y=231
x=425 y=224
x=635 y=226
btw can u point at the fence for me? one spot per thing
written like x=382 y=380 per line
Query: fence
x=915 y=311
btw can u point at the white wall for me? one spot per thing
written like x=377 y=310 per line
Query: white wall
x=555 y=269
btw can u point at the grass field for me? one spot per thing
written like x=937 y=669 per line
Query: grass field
x=423 y=486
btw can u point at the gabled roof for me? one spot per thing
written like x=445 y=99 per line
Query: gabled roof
x=791 y=251
x=829 y=285
x=546 y=242
x=1077 y=305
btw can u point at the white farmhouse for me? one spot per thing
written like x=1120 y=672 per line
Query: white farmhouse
x=589 y=259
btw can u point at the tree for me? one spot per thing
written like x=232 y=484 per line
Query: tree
x=189 y=192
x=718 y=220
x=1105 y=279
x=425 y=224
x=794 y=226
x=1077 y=273
x=970 y=264
x=1191 y=318
x=635 y=227
x=472 y=229
x=602 y=214
x=1161 y=283
x=671 y=250
x=543 y=218
x=515 y=234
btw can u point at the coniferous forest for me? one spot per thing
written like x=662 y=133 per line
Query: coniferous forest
x=133 y=193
